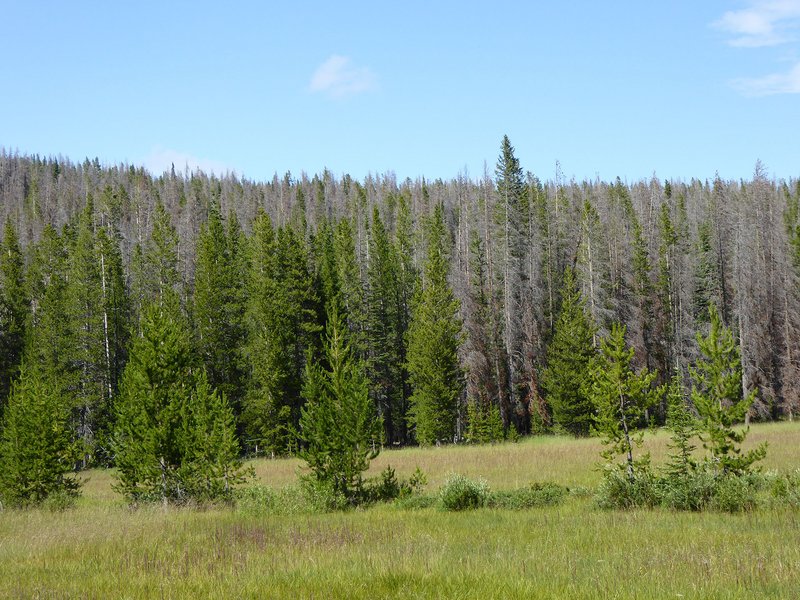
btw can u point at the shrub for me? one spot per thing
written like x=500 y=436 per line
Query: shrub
x=737 y=492
x=461 y=493
x=692 y=490
x=785 y=489
x=533 y=496
x=387 y=487
x=617 y=490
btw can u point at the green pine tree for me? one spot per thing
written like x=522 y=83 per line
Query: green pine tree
x=154 y=269
x=683 y=427
x=210 y=467
x=434 y=335
x=283 y=326
x=154 y=394
x=14 y=309
x=36 y=447
x=385 y=333
x=219 y=304
x=566 y=377
x=621 y=398
x=48 y=346
x=718 y=398
x=338 y=425
x=85 y=375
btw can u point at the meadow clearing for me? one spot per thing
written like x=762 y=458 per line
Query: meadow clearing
x=103 y=549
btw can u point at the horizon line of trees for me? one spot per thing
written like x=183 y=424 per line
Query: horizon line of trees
x=472 y=305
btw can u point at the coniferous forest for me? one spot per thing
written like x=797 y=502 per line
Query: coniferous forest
x=134 y=303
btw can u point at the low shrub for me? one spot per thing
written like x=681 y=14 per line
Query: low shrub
x=699 y=489
x=387 y=487
x=692 y=491
x=785 y=489
x=736 y=493
x=534 y=496
x=461 y=493
x=618 y=491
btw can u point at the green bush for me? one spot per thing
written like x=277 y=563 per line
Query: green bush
x=737 y=493
x=785 y=489
x=698 y=489
x=691 y=491
x=387 y=487
x=533 y=496
x=461 y=493
x=618 y=491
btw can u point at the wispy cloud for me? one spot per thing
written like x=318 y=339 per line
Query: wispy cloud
x=162 y=159
x=763 y=23
x=769 y=85
x=339 y=77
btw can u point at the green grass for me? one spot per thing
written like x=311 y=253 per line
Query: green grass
x=102 y=549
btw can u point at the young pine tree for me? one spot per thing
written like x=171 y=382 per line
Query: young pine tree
x=211 y=466
x=155 y=390
x=569 y=356
x=719 y=401
x=621 y=398
x=683 y=427
x=175 y=437
x=36 y=447
x=338 y=423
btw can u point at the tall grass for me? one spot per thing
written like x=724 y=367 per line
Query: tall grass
x=102 y=549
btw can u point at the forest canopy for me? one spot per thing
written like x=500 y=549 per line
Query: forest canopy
x=252 y=269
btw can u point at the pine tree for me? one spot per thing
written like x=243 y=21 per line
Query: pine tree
x=219 y=305
x=683 y=427
x=434 y=335
x=175 y=436
x=385 y=357
x=85 y=372
x=509 y=217
x=351 y=287
x=210 y=467
x=566 y=377
x=338 y=424
x=621 y=398
x=155 y=276
x=36 y=448
x=283 y=324
x=154 y=395
x=49 y=342
x=718 y=399
x=14 y=309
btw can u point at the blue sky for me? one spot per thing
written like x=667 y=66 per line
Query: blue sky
x=681 y=89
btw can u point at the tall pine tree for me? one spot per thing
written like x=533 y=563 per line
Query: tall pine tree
x=14 y=309
x=434 y=335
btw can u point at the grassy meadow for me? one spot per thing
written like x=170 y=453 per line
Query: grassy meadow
x=103 y=549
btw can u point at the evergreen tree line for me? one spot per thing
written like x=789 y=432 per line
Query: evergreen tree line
x=475 y=308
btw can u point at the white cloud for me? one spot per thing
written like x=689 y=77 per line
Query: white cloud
x=769 y=85
x=338 y=77
x=763 y=23
x=162 y=159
